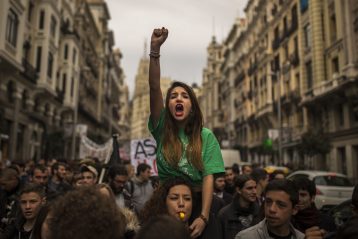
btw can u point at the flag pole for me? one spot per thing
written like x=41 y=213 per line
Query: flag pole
x=112 y=158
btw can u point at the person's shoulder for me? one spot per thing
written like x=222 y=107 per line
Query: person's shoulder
x=206 y=131
x=250 y=232
x=226 y=210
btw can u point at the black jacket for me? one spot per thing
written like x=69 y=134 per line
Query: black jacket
x=234 y=219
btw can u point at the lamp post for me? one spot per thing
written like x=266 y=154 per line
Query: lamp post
x=278 y=75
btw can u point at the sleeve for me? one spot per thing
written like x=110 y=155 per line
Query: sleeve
x=213 y=160
x=156 y=130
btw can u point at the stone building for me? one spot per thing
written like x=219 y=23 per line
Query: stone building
x=290 y=74
x=54 y=74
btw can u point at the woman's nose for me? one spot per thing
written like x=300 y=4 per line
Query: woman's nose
x=181 y=202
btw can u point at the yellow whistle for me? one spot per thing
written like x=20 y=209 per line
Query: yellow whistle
x=181 y=215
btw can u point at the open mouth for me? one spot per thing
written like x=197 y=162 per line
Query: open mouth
x=179 y=108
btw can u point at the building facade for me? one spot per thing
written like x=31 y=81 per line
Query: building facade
x=55 y=64
x=287 y=78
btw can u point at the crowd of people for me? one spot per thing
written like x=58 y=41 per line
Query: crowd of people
x=59 y=201
x=193 y=196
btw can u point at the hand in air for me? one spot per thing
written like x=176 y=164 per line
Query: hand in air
x=158 y=38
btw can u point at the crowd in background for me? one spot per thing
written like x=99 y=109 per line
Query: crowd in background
x=56 y=199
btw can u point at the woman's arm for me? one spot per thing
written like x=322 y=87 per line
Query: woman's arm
x=207 y=194
x=199 y=224
x=156 y=98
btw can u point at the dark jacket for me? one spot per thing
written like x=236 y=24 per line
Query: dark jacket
x=234 y=218
x=349 y=230
x=310 y=217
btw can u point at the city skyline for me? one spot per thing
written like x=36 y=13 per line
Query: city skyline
x=183 y=56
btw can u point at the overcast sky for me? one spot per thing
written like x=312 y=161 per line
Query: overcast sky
x=191 y=25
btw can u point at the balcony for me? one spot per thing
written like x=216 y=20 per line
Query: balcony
x=29 y=71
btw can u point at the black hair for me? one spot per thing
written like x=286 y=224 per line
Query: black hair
x=163 y=226
x=117 y=170
x=285 y=185
x=259 y=174
x=56 y=166
x=40 y=167
x=241 y=179
x=142 y=167
x=33 y=188
x=306 y=184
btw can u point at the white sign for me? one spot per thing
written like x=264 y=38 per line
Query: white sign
x=144 y=151
x=88 y=148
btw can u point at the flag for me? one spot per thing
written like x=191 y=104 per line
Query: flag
x=113 y=160
x=115 y=157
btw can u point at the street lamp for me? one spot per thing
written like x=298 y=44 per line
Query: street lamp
x=286 y=66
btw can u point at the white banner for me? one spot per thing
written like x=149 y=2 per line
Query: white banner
x=144 y=151
x=90 y=149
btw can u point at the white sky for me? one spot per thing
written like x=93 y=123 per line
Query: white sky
x=191 y=25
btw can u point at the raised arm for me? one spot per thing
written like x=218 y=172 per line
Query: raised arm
x=156 y=98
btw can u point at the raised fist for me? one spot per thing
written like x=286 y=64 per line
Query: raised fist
x=158 y=38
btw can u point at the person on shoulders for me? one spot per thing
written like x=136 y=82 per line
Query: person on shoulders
x=184 y=147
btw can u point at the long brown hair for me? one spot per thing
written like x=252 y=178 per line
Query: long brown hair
x=172 y=147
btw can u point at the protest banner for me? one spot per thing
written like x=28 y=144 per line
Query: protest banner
x=144 y=151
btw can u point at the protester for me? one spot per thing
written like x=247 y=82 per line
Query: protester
x=219 y=189
x=163 y=227
x=143 y=188
x=9 y=194
x=175 y=196
x=281 y=198
x=89 y=175
x=57 y=184
x=131 y=220
x=308 y=215
x=350 y=229
x=229 y=181
x=184 y=147
x=261 y=177
x=246 y=169
x=117 y=179
x=243 y=211
x=39 y=175
x=32 y=198
x=85 y=213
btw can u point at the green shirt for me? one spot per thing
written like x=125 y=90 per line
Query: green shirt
x=211 y=155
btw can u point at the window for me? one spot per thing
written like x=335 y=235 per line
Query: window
x=72 y=86
x=38 y=58
x=42 y=20
x=304 y=5
x=64 y=82
x=335 y=65
x=332 y=21
x=50 y=65
x=12 y=27
x=340 y=115
x=65 y=53
x=74 y=56
x=307 y=35
x=309 y=75
x=31 y=9
x=53 y=26
x=342 y=160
